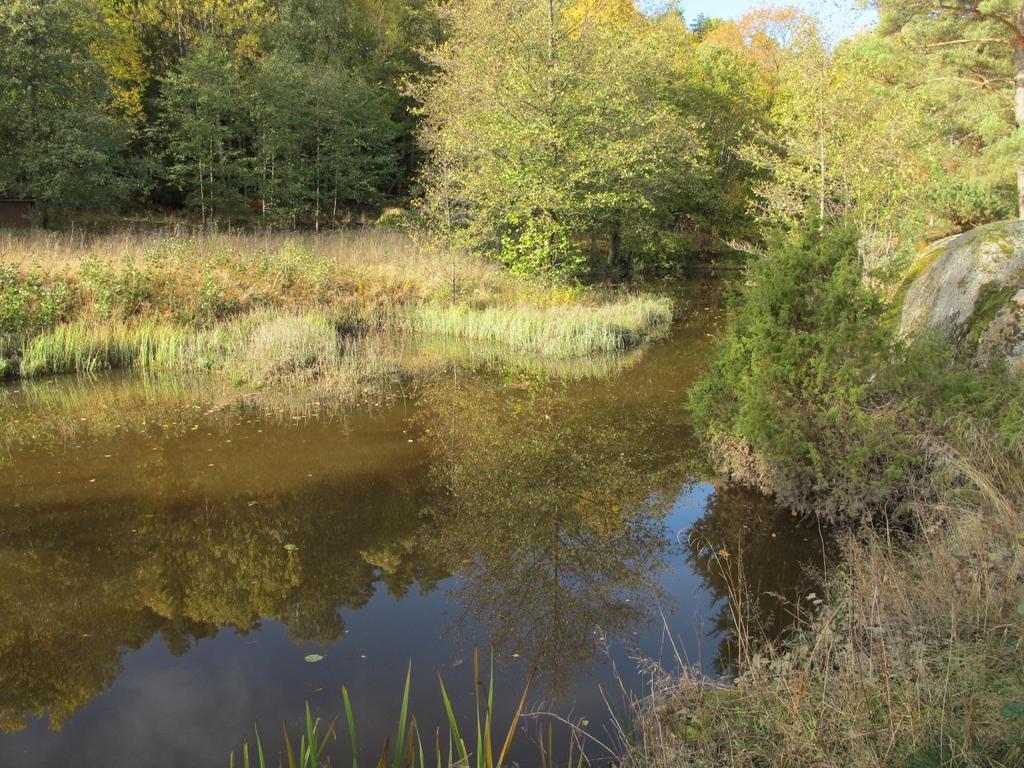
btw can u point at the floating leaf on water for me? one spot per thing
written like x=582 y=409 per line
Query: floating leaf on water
x=313 y=658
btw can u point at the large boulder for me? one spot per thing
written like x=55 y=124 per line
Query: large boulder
x=971 y=286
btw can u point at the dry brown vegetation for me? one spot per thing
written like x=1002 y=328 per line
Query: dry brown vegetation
x=914 y=655
x=268 y=308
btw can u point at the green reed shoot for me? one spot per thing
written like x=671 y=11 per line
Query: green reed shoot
x=408 y=750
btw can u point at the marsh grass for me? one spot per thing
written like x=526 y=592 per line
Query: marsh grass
x=264 y=310
x=373 y=369
x=556 y=332
x=86 y=348
x=483 y=746
x=913 y=655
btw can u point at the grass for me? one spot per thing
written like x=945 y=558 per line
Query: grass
x=263 y=310
x=914 y=655
x=560 y=331
x=407 y=748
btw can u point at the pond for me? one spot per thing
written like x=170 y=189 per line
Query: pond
x=177 y=565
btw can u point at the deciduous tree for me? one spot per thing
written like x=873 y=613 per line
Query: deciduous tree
x=58 y=141
x=546 y=127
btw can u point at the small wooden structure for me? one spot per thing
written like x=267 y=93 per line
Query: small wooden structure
x=16 y=212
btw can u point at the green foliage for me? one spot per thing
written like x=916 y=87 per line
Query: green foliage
x=574 y=142
x=967 y=202
x=29 y=303
x=202 y=123
x=788 y=403
x=292 y=110
x=118 y=293
x=572 y=139
x=60 y=143
x=953 y=397
x=729 y=96
x=215 y=301
x=543 y=247
x=321 y=148
x=974 y=59
x=811 y=395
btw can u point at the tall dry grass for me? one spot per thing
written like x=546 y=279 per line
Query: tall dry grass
x=914 y=657
x=264 y=309
x=364 y=264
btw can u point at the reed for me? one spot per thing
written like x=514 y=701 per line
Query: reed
x=484 y=747
x=264 y=309
x=556 y=332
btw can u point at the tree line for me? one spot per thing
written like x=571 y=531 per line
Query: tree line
x=562 y=136
x=285 y=112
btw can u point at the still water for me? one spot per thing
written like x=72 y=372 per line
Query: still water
x=170 y=556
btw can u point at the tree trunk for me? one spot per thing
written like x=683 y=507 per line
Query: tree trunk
x=202 y=193
x=616 y=259
x=821 y=165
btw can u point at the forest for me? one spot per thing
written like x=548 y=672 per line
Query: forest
x=557 y=136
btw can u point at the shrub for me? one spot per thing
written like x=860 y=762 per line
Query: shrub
x=29 y=303
x=542 y=247
x=117 y=293
x=215 y=302
x=791 y=401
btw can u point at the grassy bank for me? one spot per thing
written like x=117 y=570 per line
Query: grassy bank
x=262 y=309
x=914 y=656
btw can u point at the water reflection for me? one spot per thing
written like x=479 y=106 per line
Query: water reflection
x=554 y=522
x=532 y=506
x=755 y=558
x=81 y=585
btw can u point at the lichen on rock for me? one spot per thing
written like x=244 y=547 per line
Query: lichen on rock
x=971 y=286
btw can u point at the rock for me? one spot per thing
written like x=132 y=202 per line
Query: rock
x=971 y=286
x=1004 y=336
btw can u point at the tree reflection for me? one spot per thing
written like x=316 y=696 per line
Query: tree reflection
x=546 y=499
x=554 y=516
x=82 y=586
x=754 y=557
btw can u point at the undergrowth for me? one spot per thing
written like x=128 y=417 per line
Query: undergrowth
x=266 y=309
x=812 y=396
x=914 y=653
x=914 y=656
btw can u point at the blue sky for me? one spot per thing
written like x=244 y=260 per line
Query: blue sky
x=842 y=17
